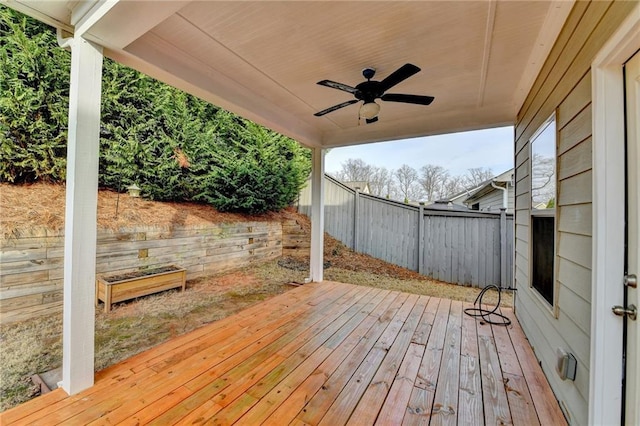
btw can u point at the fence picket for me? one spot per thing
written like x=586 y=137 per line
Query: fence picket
x=457 y=247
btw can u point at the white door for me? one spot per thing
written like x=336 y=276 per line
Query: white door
x=632 y=85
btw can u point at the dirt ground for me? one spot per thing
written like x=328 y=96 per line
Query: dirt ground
x=35 y=346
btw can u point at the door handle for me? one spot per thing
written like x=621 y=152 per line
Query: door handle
x=621 y=311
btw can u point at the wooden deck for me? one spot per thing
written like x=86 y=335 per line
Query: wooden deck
x=327 y=354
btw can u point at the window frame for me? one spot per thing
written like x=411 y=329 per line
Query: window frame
x=552 y=307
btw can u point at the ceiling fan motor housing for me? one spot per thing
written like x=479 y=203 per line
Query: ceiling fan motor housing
x=368 y=91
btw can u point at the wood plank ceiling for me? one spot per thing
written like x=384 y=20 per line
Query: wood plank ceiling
x=262 y=59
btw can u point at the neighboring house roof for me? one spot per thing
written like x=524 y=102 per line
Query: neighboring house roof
x=446 y=206
x=361 y=186
x=459 y=197
x=503 y=179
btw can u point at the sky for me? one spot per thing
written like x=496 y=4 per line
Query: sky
x=456 y=152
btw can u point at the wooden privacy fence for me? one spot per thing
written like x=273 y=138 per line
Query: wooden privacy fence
x=466 y=248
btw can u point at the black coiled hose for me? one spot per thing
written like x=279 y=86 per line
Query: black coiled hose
x=479 y=312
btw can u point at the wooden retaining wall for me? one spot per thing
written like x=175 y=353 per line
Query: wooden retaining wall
x=295 y=240
x=31 y=262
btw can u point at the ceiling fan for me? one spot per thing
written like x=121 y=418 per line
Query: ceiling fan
x=370 y=90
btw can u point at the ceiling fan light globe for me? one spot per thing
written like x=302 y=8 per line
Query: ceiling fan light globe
x=369 y=110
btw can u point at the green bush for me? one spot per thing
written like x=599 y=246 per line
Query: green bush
x=144 y=124
x=171 y=144
x=34 y=88
x=254 y=169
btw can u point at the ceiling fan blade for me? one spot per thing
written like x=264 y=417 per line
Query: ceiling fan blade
x=336 y=85
x=409 y=99
x=335 y=107
x=371 y=120
x=399 y=75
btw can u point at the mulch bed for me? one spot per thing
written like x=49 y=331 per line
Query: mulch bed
x=43 y=205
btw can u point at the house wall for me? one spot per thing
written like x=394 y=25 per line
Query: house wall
x=493 y=201
x=564 y=87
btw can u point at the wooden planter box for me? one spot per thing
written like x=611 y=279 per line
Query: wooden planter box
x=121 y=287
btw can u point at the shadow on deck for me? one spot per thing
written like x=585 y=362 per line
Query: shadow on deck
x=325 y=353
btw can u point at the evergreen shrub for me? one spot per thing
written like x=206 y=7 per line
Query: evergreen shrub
x=173 y=145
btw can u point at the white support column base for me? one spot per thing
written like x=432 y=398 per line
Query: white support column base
x=317 y=215
x=81 y=216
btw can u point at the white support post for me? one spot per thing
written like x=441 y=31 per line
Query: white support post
x=356 y=214
x=317 y=215
x=503 y=247
x=81 y=216
x=421 y=239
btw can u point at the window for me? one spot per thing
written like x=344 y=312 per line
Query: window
x=542 y=230
x=543 y=201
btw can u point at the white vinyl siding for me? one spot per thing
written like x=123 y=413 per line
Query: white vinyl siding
x=492 y=202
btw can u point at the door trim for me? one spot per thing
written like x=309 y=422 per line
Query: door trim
x=605 y=390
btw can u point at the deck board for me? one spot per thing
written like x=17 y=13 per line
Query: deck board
x=317 y=406
x=325 y=353
x=521 y=406
x=421 y=400
x=342 y=408
x=445 y=403
x=299 y=389
x=371 y=402
x=470 y=393
x=496 y=406
x=545 y=404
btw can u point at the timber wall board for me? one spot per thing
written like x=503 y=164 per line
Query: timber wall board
x=295 y=240
x=564 y=87
x=31 y=262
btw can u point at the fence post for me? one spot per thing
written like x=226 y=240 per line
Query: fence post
x=356 y=213
x=503 y=248
x=421 y=239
